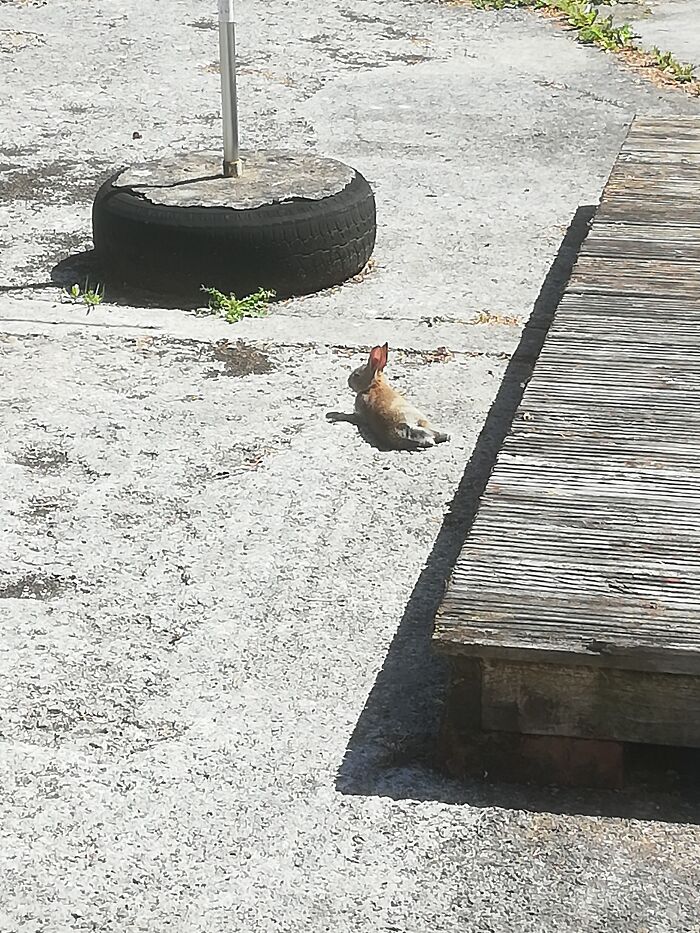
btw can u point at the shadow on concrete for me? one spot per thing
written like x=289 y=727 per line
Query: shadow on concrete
x=341 y=417
x=80 y=267
x=392 y=747
x=85 y=269
x=27 y=287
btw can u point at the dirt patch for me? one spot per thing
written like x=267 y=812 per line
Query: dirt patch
x=139 y=502
x=239 y=359
x=78 y=109
x=645 y=64
x=356 y=59
x=204 y=24
x=14 y=152
x=207 y=118
x=34 y=586
x=41 y=508
x=361 y=17
x=12 y=40
x=43 y=459
x=53 y=183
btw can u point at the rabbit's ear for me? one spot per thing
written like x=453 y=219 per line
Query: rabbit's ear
x=377 y=357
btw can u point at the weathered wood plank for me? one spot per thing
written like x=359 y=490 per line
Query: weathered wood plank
x=506 y=635
x=685 y=141
x=628 y=167
x=573 y=307
x=642 y=248
x=627 y=706
x=615 y=425
x=654 y=157
x=652 y=277
x=655 y=210
x=643 y=242
x=680 y=122
x=640 y=181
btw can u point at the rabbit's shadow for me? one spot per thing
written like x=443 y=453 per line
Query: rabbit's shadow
x=336 y=417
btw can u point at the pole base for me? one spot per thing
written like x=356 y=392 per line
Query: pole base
x=233 y=169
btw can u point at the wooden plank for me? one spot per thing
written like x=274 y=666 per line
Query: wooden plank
x=573 y=308
x=640 y=181
x=656 y=334
x=586 y=547
x=679 y=123
x=629 y=168
x=681 y=141
x=465 y=750
x=665 y=130
x=568 y=640
x=632 y=187
x=652 y=277
x=613 y=424
x=639 y=241
x=654 y=157
x=654 y=210
x=565 y=358
x=627 y=706
x=640 y=247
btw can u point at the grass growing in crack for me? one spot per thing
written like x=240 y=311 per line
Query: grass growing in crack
x=233 y=309
x=88 y=296
x=595 y=29
x=679 y=71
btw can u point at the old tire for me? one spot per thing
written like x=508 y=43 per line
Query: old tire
x=294 y=247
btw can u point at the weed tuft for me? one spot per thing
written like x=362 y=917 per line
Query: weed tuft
x=87 y=295
x=233 y=309
x=679 y=71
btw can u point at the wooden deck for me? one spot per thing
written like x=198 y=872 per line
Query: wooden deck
x=573 y=615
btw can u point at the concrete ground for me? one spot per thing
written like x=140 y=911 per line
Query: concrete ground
x=218 y=700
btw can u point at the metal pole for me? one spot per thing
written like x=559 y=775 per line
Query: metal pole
x=233 y=167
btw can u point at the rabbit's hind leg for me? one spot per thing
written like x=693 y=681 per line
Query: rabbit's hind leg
x=439 y=437
x=416 y=436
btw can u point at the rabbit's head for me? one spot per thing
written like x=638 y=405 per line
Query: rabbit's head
x=362 y=378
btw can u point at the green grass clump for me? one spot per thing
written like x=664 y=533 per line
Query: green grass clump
x=679 y=71
x=234 y=309
x=88 y=296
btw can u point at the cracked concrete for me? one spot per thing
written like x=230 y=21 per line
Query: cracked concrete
x=218 y=702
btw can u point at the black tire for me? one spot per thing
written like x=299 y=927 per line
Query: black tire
x=294 y=248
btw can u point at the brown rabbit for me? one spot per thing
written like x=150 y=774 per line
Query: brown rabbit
x=392 y=419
